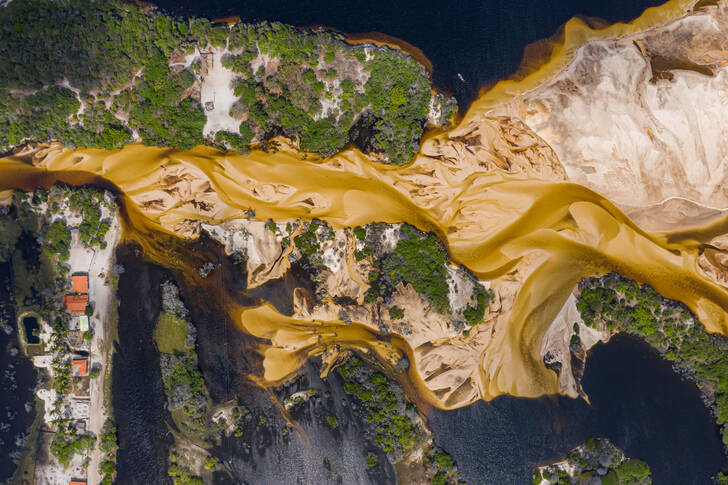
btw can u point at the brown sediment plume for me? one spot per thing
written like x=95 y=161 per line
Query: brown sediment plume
x=510 y=221
x=230 y=20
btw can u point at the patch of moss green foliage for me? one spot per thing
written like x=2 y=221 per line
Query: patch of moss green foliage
x=395 y=313
x=58 y=239
x=87 y=201
x=394 y=431
x=66 y=443
x=587 y=462
x=109 y=46
x=420 y=260
x=308 y=240
x=170 y=334
x=667 y=325
x=238 y=142
x=633 y=471
x=360 y=233
x=474 y=314
x=184 y=384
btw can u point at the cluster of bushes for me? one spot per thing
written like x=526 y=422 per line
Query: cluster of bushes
x=587 y=462
x=308 y=241
x=474 y=314
x=66 y=443
x=180 y=475
x=395 y=431
x=57 y=240
x=392 y=418
x=108 y=445
x=392 y=103
x=667 y=325
x=88 y=201
x=184 y=384
x=598 y=457
x=101 y=48
x=418 y=259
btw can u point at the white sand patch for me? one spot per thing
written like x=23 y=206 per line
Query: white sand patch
x=434 y=113
x=216 y=91
x=635 y=140
x=332 y=259
x=390 y=238
x=260 y=61
x=557 y=338
x=460 y=288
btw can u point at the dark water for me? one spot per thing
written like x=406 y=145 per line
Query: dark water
x=17 y=381
x=483 y=40
x=638 y=402
x=137 y=389
x=31 y=326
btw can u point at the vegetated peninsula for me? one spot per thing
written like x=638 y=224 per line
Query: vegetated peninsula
x=596 y=461
x=105 y=74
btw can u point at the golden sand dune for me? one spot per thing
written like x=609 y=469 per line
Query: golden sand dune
x=642 y=117
x=492 y=189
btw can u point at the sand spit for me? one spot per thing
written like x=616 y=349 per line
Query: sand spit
x=641 y=118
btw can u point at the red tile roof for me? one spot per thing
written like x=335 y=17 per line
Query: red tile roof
x=76 y=303
x=77 y=482
x=80 y=367
x=80 y=283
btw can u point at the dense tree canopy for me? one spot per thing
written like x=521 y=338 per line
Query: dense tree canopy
x=94 y=74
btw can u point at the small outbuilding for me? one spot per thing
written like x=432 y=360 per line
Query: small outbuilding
x=83 y=323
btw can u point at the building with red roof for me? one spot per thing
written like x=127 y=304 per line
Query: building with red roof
x=79 y=367
x=77 y=482
x=75 y=303
x=80 y=283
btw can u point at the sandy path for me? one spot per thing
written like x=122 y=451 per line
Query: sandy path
x=216 y=87
x=98 y=264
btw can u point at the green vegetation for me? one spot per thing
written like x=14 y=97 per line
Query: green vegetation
x=308 y=241
x=58 y=240
x=624 y=305
x=170 y=334
x=109 y=443
x=210 y=464
x=395 y=431
x=371 y=459
x=587 y=462
x=115 y=58
x=474 y=314
x=184 y=384
x=66 y=443
x=393 y=420
x=420 y=260
x=633 y=471
x=396 y=313
x=88 y=202
x=181 y=476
